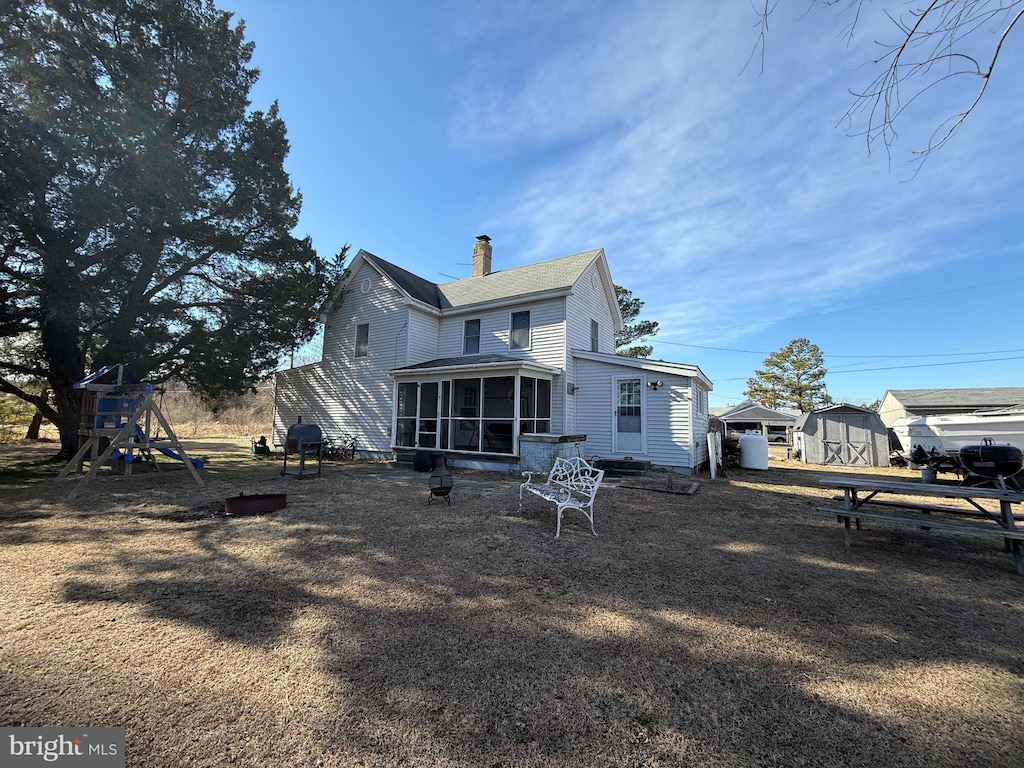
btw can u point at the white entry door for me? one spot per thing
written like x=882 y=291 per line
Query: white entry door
x=628 y=427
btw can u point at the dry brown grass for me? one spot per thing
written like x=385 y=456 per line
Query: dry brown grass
x=360 y=627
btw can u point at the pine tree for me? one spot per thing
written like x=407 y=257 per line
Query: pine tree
x=792 y=377
x=630 y=307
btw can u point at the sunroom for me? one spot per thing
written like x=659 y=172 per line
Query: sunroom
x=478 y=404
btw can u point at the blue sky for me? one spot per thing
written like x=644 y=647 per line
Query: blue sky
x=723 y=192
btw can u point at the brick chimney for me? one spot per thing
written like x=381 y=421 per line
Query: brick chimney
x=482 y=256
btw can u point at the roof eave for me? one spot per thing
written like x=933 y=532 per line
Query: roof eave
x=643 y=363
x=528 y=365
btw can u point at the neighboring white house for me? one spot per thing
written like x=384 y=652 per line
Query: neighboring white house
x=477 y=366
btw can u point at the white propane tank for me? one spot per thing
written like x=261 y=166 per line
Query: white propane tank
x=753 y=451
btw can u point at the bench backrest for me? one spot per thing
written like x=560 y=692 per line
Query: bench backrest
x=576 y=475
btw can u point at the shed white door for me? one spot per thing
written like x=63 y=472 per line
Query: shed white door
x=628 y=424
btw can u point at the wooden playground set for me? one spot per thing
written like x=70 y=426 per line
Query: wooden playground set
x=121 y=426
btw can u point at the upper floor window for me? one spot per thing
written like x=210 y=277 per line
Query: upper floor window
x=519 y=333
x=362 y=339
x=593 y=336
x=471 y=337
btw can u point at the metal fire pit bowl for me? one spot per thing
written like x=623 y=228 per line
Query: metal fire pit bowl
x=256 y=504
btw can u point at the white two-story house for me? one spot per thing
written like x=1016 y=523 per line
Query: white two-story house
x=480 y=366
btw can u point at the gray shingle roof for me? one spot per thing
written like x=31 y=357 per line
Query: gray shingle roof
x=978 y=397
x=551 y=275
x=414 y=285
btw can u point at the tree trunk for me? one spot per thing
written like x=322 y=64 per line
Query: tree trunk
x=37 y=420
x=68 y=401
x=59 y=333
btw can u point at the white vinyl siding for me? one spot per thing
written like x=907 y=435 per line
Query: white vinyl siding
x=346 y=394
x=673 y=435
x=587 y=302
x=422 y=337
x=547 y=332
x=338 y=401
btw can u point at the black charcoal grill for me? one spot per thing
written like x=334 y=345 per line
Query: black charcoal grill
x=303 y=441
x=999 y=463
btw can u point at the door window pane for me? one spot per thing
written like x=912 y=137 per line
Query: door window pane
x=628 y=411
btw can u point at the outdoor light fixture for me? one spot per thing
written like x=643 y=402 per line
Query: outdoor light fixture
x=655 y=384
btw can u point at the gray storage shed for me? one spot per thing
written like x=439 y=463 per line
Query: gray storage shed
x=844 y=435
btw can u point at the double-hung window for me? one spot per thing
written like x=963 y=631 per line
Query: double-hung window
x=471 y=337
x=519 y=331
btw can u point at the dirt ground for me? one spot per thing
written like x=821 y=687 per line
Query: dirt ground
x=359 y=626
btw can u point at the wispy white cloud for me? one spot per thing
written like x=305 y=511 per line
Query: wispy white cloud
x=710 y=185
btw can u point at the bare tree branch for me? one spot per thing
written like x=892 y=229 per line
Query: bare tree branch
x=938 y=44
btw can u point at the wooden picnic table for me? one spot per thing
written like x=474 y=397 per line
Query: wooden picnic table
x=861 y=501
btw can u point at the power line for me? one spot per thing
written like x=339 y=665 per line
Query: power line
x=904 y=367
x=933 y=365
x=901 y=300
x=851 y=357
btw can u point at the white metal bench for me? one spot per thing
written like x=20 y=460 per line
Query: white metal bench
x=571 y=484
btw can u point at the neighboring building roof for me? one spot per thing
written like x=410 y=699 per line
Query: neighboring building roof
x=978 y=397
x=845 y=408
x=748 y=410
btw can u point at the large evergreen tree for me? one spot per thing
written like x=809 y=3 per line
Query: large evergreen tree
x=145 y=213
x=792 y=377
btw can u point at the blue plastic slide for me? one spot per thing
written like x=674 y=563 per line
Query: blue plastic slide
x=197 y=463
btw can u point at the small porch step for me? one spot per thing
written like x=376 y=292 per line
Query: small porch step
x=623 y=467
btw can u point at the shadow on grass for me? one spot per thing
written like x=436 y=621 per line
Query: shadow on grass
x=725 y=629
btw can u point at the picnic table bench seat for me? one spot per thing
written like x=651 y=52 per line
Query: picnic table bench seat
x=571 y=484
